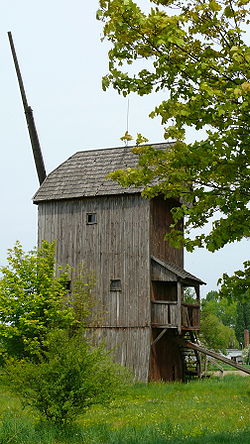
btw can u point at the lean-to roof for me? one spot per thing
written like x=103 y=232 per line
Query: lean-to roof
x=175 y=273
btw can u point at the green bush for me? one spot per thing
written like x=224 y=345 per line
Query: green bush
x=71 y=377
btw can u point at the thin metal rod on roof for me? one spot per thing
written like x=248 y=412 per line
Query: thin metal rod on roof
x=127 y=123
x=36 y=148
x=128 y=116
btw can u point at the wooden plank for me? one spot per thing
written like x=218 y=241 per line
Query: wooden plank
x=215 y=356
x=173 y=314
x=179 y=299
x=165 y=302
x=185 y=321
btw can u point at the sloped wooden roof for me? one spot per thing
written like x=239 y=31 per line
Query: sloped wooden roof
x=162 y=270
x=84 y=174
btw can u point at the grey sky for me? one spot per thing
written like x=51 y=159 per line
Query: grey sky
x=62 y=62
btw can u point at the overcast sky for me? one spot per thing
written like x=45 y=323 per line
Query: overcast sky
x=62 y=61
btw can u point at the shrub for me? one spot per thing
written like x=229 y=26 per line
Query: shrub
x=71 y=377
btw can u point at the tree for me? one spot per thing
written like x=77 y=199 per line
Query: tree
x=242 y=320
x=233 y=311
x=218 y=320
x=34 y=300
x=215 y=334
x=237 y=286
x=224 y=310
x=196 y=51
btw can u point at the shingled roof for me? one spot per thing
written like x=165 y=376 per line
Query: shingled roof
x=84 y=175
x=177 y=272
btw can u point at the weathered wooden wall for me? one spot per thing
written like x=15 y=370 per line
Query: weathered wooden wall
x=130 y=347
x=160 y=220
x=116 y=247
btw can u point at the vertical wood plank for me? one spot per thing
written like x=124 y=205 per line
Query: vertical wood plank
x=179 y=300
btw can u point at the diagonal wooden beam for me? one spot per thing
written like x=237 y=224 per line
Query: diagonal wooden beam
x=159 y=336
x=215 y=356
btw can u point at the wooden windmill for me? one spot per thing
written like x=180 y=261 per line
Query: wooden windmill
x=119 y=235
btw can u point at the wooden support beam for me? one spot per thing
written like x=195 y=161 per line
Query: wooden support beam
x=197 y=291
x=159 y=336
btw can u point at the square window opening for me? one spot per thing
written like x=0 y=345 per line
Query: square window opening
x=91 y=218
x=115 y=285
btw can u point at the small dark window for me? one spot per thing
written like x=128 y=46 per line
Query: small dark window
x=91 y=218
x=115 y=285
x=68 y=285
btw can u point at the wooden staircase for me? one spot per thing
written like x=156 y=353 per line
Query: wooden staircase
x=190 y=358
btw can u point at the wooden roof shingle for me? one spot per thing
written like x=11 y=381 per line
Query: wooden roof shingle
x=85 y=175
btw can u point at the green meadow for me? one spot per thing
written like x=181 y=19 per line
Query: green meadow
x=215 y=410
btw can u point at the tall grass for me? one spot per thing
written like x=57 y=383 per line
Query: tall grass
x=209 y=412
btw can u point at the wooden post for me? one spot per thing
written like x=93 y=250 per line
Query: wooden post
x=197 y=291
x=179 y=299
x=246 y=337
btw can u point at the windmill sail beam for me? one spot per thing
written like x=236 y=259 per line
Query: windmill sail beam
x=36 y=148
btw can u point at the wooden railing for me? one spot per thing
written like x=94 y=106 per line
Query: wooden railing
x=164 y=313
x=168 y=314
x=190 y=316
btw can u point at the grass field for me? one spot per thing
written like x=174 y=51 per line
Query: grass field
x=211 y=411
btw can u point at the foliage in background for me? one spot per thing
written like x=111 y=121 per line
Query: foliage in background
x=224 y=310
x=198 y=54
x=218 y=321
x=215 y=334
x=71 y=376
x=242 y=320
x=189 y=295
